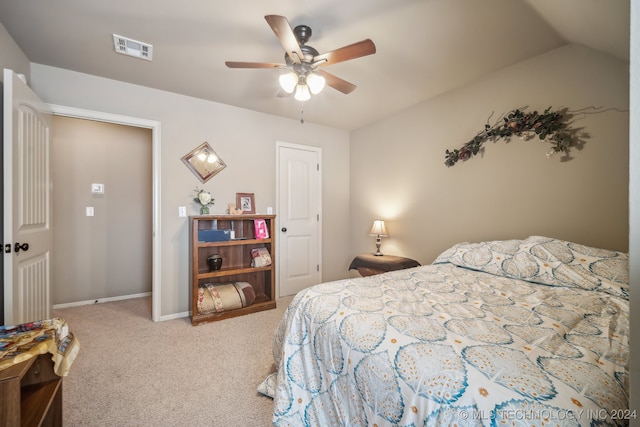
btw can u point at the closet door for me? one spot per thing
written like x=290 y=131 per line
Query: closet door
x=299 y=219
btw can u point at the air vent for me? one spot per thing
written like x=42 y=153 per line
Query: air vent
x=131 y=47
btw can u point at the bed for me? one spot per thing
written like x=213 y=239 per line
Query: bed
x=514 y=332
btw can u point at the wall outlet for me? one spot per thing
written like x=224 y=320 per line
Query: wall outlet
x=182 y=211
x=89 y=210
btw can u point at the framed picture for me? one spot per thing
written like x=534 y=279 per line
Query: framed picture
x=246 y=202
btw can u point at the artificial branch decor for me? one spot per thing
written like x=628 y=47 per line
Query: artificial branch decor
x=551 y=126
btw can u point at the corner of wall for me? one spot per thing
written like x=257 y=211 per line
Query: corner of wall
x=11 y=56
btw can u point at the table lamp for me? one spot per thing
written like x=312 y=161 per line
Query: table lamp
x=378 y=230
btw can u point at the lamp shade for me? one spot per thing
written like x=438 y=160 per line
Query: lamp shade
x=316 y=83
x=378 y=228
x=288 y=81
x=302 y=93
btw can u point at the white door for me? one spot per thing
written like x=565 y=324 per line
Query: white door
x=27 y=203
x=298 y=217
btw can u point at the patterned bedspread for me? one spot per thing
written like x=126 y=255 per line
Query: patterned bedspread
x=520 y=332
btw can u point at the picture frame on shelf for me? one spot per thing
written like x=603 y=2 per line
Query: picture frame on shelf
x=246 y=203
x=261 y=229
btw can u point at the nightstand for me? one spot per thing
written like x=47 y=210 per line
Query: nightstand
x=31 y=393
x=369 y=264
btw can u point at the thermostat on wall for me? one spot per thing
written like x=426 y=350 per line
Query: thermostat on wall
x=97 y=188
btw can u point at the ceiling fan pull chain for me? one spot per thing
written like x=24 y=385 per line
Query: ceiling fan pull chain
x=302 y=116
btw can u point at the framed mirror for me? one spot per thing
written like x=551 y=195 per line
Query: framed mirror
x=204 y=162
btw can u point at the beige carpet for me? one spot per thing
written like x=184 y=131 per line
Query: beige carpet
x=133 y=372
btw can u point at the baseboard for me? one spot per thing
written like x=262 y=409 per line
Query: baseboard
x=174 y=316
x=101 y=300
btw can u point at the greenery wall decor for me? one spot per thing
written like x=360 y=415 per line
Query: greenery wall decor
x=550 y=126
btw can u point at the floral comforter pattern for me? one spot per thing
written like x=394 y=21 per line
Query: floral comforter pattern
x=520 y=332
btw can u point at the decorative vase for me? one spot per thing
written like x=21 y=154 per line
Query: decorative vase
x=215 y=262
x=204 y=210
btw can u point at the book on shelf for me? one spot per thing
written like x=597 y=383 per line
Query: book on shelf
x=261 y=257
x=261 y=230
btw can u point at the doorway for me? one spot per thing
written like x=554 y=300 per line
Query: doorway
x=101 y=211
x=154 y=224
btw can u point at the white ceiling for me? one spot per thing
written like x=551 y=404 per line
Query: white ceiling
x=424 y=47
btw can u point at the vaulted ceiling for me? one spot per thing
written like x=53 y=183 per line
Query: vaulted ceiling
x=424 y=47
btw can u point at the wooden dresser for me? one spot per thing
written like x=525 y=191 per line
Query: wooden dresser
x=31 y=394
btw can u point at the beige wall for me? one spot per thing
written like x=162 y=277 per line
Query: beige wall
x=11 y=56
x=513 y=190
x=244 y=139
x=108 y=254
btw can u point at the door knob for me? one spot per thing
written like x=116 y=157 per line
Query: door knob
x=18 y=246
x=284 y=229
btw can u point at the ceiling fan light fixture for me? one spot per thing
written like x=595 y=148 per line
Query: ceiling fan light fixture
x=288 y=82
x=316 y=83
x=302 y=92
x=301 y=61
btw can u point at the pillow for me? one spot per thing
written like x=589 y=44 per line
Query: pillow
x=217 y=297
x=546 y=261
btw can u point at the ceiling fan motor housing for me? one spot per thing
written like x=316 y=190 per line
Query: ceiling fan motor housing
x=302 y=33
x=308 y=52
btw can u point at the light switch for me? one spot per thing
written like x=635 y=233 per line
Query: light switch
x=182 y=211
x=89 y=210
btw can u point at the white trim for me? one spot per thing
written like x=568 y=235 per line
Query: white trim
x=155 y=127
x=318 y=151
x=174 y=316
x=100 y=300
x=7 y=225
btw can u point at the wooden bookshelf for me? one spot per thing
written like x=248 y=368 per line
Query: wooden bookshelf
x=236 y=262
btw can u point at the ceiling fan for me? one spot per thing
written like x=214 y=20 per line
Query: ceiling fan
x=305 y=76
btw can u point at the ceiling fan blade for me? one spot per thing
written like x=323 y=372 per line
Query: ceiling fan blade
x=233 y=64
x=355 y=50
x=283 y=31
x=336 y=82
